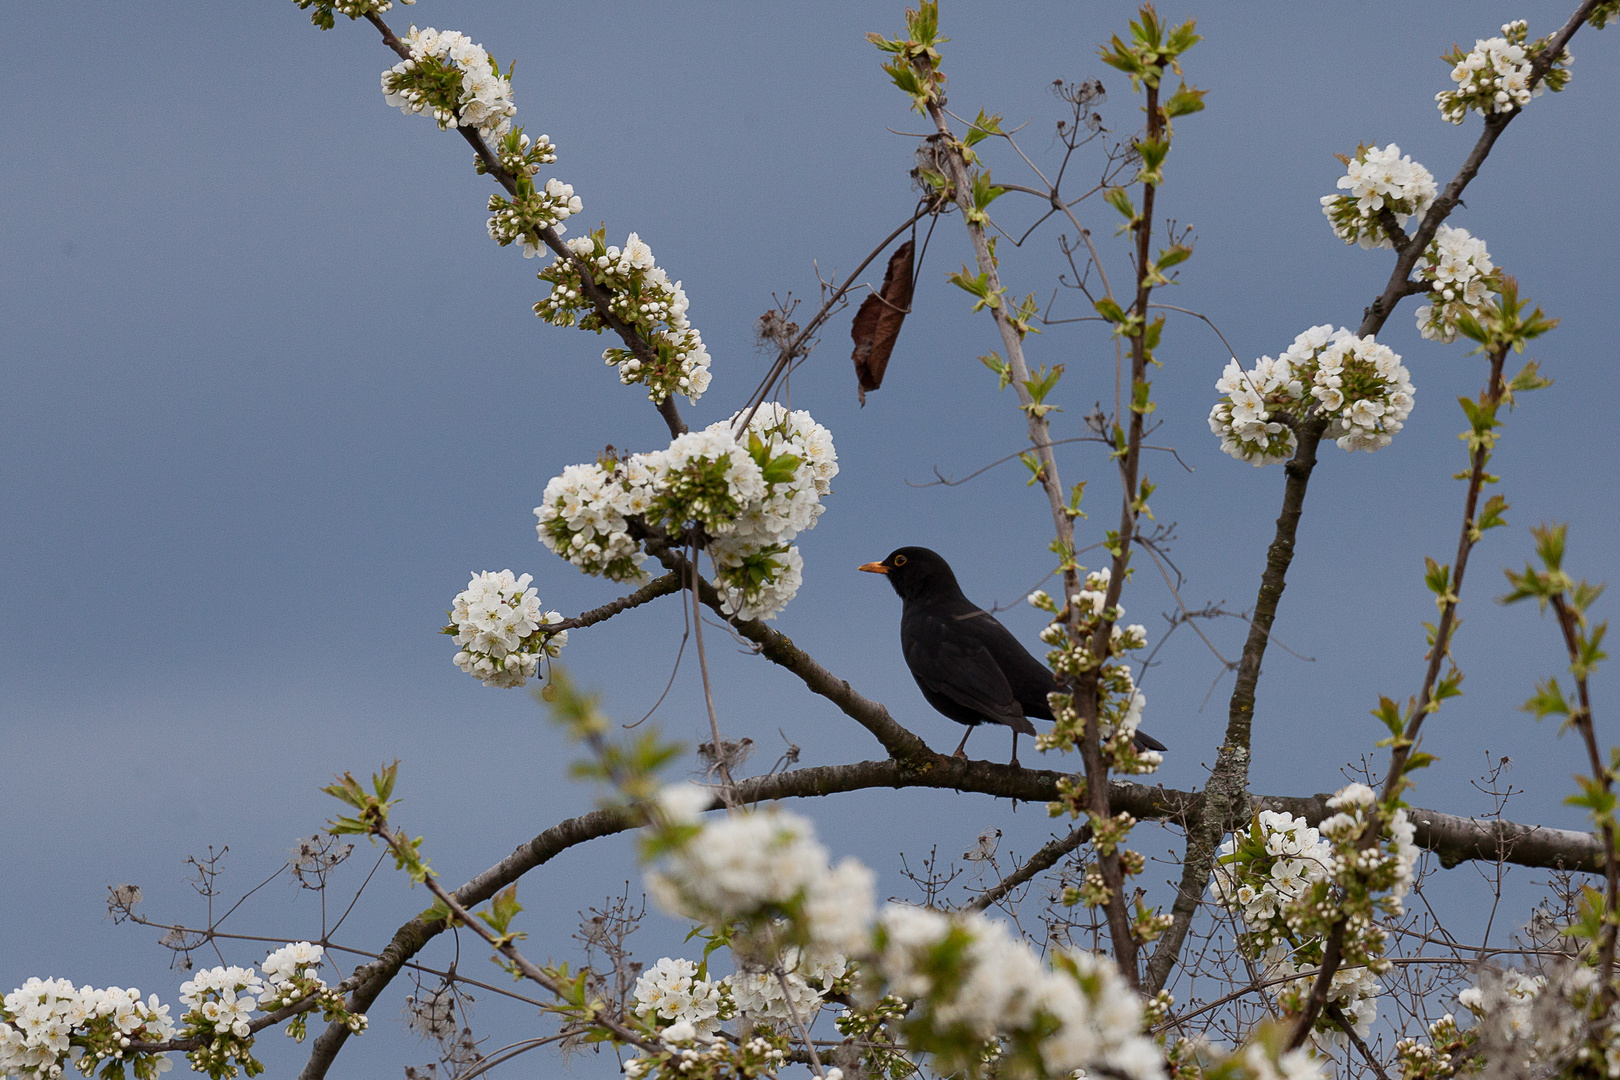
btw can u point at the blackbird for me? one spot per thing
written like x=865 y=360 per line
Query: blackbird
x=967 y=664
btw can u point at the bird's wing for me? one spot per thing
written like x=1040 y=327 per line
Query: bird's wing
x=1030 y=679
x=955 y=664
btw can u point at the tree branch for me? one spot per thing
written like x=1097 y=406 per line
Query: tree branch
x=1454 y=839
x=1232 y=762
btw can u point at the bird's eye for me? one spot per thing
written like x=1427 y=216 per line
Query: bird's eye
x=899 y=560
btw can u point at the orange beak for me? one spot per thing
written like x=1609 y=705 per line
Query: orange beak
x=873 y=568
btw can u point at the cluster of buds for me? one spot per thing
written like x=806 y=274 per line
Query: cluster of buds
x=533 y=210
x=683 y=1054
x=1119 y=702
x=518 y=155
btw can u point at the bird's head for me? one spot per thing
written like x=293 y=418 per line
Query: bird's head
x=915 y=572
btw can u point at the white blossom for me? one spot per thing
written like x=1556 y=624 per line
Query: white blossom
x=641 y=295
x=684 y=804
x=1080 y=1013
x=1378 y=180
x=1357 y=383
x=501 y=633
x=671 y=992
x=478 y=96
x=39 y=1019
x=1463 y=278
x=768 y=871
x=1494 y=76
x=747 y=496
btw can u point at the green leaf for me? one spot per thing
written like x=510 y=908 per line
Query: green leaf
x=1184 y=101
x=983 y=127
x=1389 y=714
x=1548 y=700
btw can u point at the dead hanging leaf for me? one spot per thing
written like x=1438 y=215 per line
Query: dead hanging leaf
x=877 y=323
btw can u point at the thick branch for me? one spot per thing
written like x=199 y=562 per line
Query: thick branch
x=1229 y=780
x=778 y=648
x=1453 y=838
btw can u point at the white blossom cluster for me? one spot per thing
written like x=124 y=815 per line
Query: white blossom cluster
x=532 y=211
x=641 y=296
x=1276 y=877
x=1259 y=890
x=1352 y=803
x=748 y=499
x=1463 y=277
x=222 y=999
x=761 y=997
x=670 y=992
x=289 y=976
x=1262 y=891
x=1358 y=383
x=40 y=1020
x=765 y=874
x=453 y=80
x=1525 y=1025
x=1507 y=1000
x=501 y=633
x=1377 y=180
x=1494 y=76
x=968 y=973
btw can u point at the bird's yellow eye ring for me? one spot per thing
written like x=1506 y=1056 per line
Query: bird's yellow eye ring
x=899 y=560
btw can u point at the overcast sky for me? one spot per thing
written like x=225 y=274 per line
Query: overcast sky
x=271 y=393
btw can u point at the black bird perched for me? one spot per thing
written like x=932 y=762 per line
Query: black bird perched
x=967 y=664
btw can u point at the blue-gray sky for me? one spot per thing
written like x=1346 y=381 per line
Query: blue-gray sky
x=270 y=393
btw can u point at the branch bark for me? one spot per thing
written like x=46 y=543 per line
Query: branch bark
x=1455 y=839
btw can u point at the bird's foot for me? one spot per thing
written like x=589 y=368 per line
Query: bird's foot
x=960 y=753
x=1014 y=763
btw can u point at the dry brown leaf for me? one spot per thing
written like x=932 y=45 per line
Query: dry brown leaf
x=877 y=323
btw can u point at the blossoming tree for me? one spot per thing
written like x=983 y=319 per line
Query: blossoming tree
x=794 y=964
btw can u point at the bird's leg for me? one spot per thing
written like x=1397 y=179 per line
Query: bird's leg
x=1014 y=761
x=961 y=747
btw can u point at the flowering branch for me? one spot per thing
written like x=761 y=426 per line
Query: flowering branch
x=1230 y=776
x=600 y=299
x=1600 y=921
x=1502 y=327
x=503 y=942
x=1454 y=839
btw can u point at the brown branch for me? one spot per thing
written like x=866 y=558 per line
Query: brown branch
x=1038 y=863
x=1346 y=1026
x=1229 y=781
x=1454 y=839
x=778 y=648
